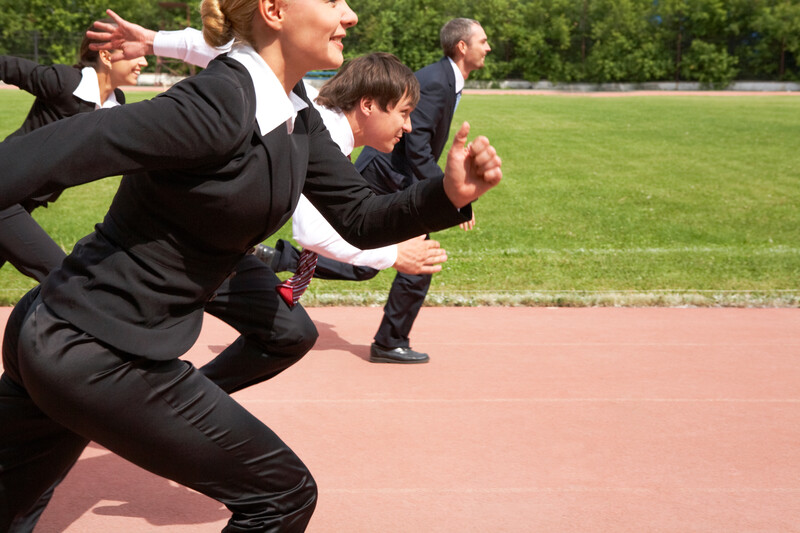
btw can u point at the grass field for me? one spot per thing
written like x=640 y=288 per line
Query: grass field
x=638 y=200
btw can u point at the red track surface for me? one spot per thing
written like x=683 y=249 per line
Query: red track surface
x=526 y=419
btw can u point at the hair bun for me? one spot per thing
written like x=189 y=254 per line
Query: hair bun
x=217 y=29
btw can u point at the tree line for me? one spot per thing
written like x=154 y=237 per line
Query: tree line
x=594 y=41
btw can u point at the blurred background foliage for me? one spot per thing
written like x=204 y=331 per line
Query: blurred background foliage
x=594 y=41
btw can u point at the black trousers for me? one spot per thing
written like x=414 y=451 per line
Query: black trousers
x=62 y=388
x=273 y=335
x=402 y=307
x=288 y=256
x=24 y=244
x=408 y=291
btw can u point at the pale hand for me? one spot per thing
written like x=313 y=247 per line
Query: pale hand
x=466 y=226
x=129 y=40
x=419 y=256
x=471 y=169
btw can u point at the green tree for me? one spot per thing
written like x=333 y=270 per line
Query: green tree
x=709 y=64
x=779 y=25
x=53 y=29
x=682 y=21
x=407 y=28
x=543 y=42
x=711 y=41
x=622 y=45
x=742 y=39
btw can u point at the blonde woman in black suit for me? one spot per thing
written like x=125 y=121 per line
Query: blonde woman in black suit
x=61 y=91
x=211 y=167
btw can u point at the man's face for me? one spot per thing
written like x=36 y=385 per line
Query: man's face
x=477 y=48
x=383 y=129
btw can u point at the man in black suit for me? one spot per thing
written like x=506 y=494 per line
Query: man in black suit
x=415 y=158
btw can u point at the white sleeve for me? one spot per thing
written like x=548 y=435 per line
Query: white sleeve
x=187 y=45
x=312 y=231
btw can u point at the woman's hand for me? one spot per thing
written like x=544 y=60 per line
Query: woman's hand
x=129 y=40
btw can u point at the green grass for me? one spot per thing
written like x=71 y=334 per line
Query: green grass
x=665 y=200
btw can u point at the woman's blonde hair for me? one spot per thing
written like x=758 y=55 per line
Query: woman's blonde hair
x=225 y=20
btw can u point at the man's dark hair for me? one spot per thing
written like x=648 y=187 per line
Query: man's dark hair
x=380 y=76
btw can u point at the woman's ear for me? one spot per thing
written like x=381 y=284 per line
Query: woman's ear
x=272 y=12
x=104 y=58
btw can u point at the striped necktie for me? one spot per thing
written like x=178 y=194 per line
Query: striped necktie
x=293 y=288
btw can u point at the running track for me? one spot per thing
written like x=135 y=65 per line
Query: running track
x=526 y=419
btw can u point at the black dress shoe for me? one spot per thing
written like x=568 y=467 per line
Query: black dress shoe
x=267 y=255
x=381 y=354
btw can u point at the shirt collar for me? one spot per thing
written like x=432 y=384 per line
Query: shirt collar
x=339 y=128
x=88 y=90
x=459 y=76
x=273 y=106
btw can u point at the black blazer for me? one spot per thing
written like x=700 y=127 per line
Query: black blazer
x=53 y=87
x=417 y=154
x=196 y=196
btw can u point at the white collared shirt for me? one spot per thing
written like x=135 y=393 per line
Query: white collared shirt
x=459 y=76
x=338 y=127
x=312 y=231
x=88 y=90
x=273 y=106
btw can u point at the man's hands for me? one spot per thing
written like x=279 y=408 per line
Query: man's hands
x=419 y=256
x=466 y=226
x=471 y=169
x=129 y=40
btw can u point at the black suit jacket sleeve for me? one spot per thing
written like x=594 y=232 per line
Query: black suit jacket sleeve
x=179 y=131
x=128 y=139
x=361 y=217
x=54 y=84
x=46 y=82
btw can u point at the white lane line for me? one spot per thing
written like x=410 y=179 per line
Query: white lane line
x=517 y=400
x=553 y=490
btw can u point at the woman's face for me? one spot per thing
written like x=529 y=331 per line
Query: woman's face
x=126 y=71
x=313 y=30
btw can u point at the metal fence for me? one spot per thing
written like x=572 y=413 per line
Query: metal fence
x=39 y=47
x=36 y=46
